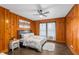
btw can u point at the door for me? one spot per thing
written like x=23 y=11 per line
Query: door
x=48 y=30
x=51 y=31
x=43 y=29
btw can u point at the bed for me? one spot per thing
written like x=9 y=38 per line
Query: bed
x=33 y=41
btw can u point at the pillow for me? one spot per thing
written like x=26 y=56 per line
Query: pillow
x=27 y=35
x=31 y=34
x=22 y=35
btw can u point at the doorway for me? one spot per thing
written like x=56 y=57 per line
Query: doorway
x=48 y=30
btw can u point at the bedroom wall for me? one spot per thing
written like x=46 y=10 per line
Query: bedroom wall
x=60 y=28
x=72 y=29
x=35 y=27
x=8 y=27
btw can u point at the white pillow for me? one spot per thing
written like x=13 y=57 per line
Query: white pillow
x=32 y=34
x=22 y=35
x=27 y=35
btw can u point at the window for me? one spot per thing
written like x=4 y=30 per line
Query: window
x=43 y=29
x=48 y=30
x=51 y=30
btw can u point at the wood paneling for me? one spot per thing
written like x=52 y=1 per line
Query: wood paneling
x=33 y=26
x=72 y=29
x=37 y=28
x=8 y=27
x=7 y=30
x=60 y=30
x=2 y=17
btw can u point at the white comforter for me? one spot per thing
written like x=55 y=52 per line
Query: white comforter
x=34 y=42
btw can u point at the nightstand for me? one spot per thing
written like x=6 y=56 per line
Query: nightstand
x=14 y=44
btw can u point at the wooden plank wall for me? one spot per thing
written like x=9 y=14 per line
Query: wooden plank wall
x=72 y=29
x=8 y=27
x=2 y=12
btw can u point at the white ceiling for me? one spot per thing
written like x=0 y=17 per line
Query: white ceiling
x=27 y=10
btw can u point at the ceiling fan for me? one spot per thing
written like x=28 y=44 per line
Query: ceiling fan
x=41 y=11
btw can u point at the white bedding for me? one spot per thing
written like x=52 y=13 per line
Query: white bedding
x=34 y=42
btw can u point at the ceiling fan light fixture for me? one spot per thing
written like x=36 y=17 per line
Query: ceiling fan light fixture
x=41 y=16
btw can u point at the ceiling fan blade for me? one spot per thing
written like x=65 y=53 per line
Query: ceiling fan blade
x=44 y=15
x=46 y=12
x=40 y=14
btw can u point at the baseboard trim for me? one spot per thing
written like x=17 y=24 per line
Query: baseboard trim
x=60 y=42
x=51 y=41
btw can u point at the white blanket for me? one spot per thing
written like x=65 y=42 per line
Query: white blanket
x=34 y=42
